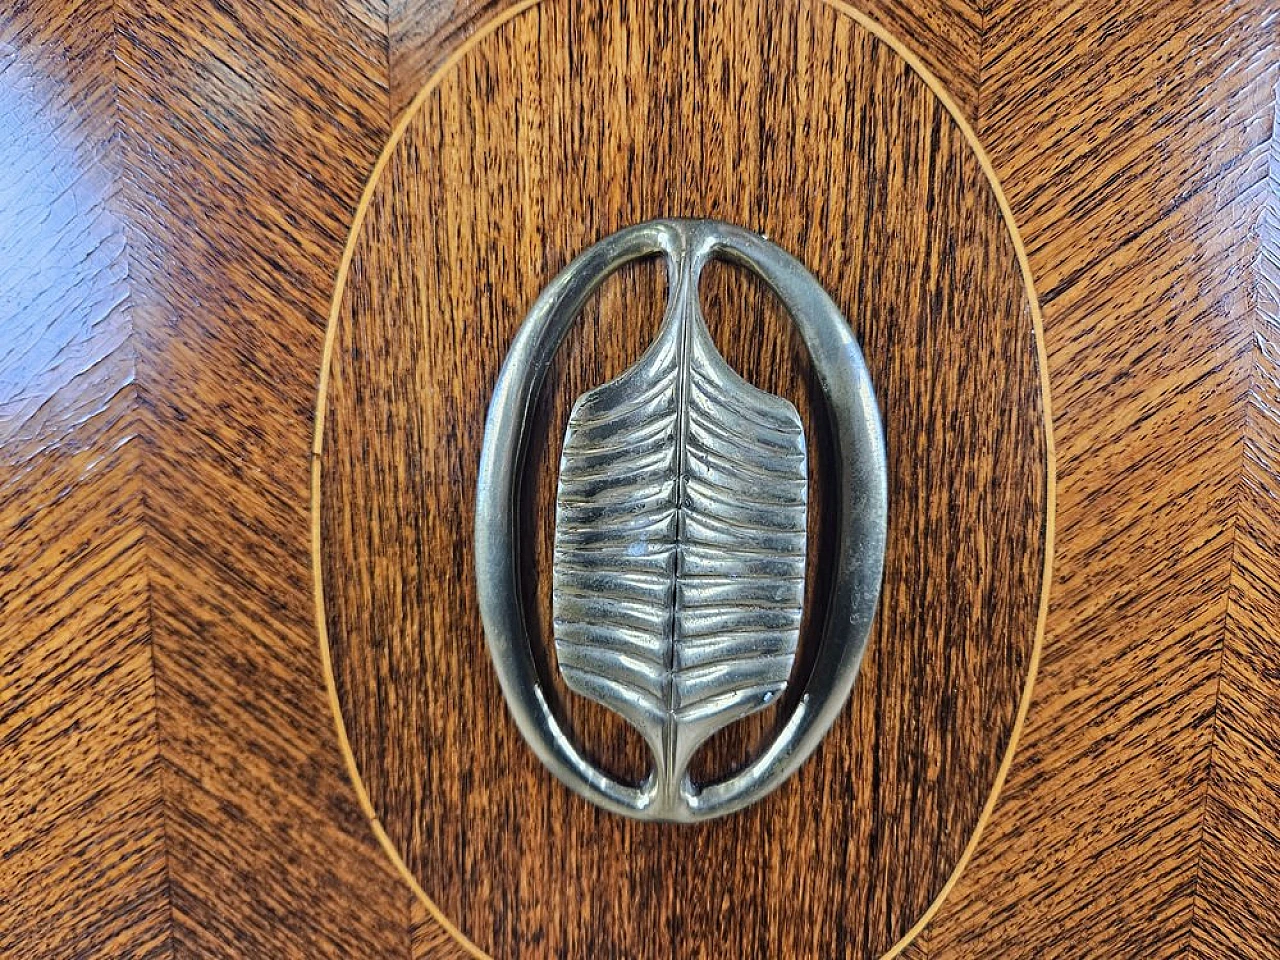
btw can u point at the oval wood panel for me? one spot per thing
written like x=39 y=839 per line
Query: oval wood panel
x=555 y=126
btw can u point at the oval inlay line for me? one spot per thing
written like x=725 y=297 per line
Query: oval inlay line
x=345 y=273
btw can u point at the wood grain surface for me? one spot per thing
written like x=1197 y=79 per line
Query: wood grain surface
x=556 y=128
x=171 y=783
x=82 y=851
x=175 y=189
x=238 y=200
x=1124 y=829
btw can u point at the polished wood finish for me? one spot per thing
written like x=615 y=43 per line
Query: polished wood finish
x=1139 y=158
x=171 y=781
x=236 y=202
x=946 y=36
x=82 y=851
x=555 y=128
x=205 y=162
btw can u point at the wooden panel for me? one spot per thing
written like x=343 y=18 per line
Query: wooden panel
x=519 y=159
x=82 y=857
x=1135 y=156
x=248 y=129
x=1238 y=868
x=945 y=34
x=214 y=186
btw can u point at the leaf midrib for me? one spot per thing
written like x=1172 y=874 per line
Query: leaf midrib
x=685 y=324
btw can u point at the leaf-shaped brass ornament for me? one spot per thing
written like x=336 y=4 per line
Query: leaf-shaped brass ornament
x=678 y=576
x=680 y=542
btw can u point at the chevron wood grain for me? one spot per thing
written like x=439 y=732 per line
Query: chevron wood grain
x=246 y=132
x=82 y=851
x=170 y=779
x=176 y=182
x=1142 y=212
x=1236 y=869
